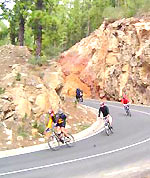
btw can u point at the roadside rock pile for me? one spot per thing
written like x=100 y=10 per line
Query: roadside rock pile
x=7 y=108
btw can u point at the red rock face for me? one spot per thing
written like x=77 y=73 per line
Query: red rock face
x=76 y=60
x=73 y=63
x=72 y=82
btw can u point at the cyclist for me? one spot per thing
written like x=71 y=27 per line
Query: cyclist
x=105 y=111
x=125 y=102
x=52 y=119
x=59 y=120
x=79 y=94
x=61 y=123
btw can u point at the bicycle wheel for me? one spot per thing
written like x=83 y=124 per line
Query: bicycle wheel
x=53 y=143
x=111 y=130
x=128 y=113
x=107 y=131
x=70 y=141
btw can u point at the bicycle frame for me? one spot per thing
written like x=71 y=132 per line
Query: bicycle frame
x=59 y=139
x=54 y=133
x=108 y=128
x=106 y=120
x=127 y=109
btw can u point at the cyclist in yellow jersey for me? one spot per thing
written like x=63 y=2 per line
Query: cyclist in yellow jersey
x=52 y=119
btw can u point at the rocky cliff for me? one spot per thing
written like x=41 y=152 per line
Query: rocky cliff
x=114 y=59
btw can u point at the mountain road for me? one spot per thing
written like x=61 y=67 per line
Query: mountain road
x=94 y=157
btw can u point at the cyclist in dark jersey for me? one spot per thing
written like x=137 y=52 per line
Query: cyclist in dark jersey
x=59 y=120
x=79 y=95
x=105 y=111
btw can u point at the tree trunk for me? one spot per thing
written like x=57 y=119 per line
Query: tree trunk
x=113 y=2
x=21 y=31
x=12 y=38
x=126 y=3
x=39 y=30
x=39 y=40
x=12 y=34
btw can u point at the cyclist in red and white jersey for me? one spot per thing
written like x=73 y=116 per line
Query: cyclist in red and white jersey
x=125 y=102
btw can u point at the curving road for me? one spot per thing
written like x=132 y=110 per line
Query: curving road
x=95 y=157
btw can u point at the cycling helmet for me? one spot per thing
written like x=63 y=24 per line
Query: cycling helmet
x=50 y=111
x=102 y=104
x=124 y=96
x=60 y=111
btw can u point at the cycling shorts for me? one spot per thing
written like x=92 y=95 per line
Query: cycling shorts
x=62 y=124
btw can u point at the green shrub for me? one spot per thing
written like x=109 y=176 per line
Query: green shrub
x=144 y=8
x=53 y=51
x=83 y=127
x=2 y=90
x=4 y=38
x=37 y=60
x=18 y=77
x=39 y=126
x=25 y=117
x=35 y=124
x=114 y=13
x=41 y=75
x=75 y=103
x=22 y=132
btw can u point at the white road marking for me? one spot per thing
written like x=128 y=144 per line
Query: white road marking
x=77 y=159
x=120 y=102
x=130 y=109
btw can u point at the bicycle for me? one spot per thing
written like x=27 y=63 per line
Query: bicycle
x=126 y=107
x=55 y=141
x=107 y=127
x=79 y=98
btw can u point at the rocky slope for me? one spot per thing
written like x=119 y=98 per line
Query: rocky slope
x=26 y=93
x=114 y=59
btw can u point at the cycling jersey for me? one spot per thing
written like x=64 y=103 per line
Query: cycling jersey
x=104 y=110
x=52 y=119
x=124 y=100
x=79 y=93
x=61 y=120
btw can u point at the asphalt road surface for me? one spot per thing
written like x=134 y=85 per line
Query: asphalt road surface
x=92 y=157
